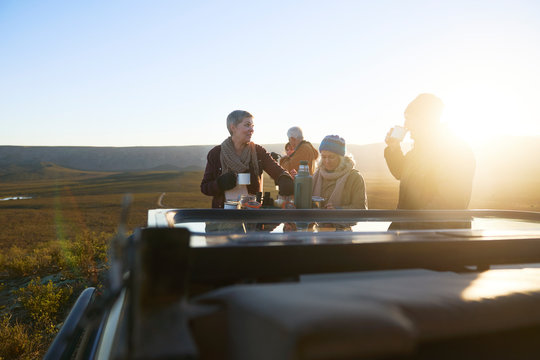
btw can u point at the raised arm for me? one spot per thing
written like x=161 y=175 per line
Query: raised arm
x=394 y=160
x=275 y=171
x=393 y=155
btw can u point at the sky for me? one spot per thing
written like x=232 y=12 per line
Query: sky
x=161 y=73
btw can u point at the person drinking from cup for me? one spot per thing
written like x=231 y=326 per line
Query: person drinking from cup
x=336 y=180
x=438 y=172
x=239 y=155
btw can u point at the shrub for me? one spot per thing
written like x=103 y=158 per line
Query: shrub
x=84 y=256
x=43 y=301
x=22 y=262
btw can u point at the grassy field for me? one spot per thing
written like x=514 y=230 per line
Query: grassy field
x=54 y=245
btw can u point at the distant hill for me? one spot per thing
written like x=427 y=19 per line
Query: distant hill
x=369 y=158
x=498 y=161
x=508 y=168
x=44 y=171
x=107 y=158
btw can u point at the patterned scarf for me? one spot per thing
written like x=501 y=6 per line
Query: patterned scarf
x=340 y=176
x=230 y=161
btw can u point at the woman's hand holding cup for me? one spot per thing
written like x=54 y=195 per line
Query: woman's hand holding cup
x=227 y=181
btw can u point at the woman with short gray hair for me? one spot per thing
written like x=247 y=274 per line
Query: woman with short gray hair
x=238 y=154
x=302 y=150
x=295 y=132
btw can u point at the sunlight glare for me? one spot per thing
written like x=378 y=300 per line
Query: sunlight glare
x=476 y=120
x=483 y=101
x=499 y=283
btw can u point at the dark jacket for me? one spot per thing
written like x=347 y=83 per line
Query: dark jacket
x=436 y=176
x=209 y=185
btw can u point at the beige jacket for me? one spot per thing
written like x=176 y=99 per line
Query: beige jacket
x=354 y=192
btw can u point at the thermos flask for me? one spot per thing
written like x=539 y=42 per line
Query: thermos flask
x=303 y=183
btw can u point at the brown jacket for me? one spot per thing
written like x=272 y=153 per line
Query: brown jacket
x=209 y=185
x=304 y=151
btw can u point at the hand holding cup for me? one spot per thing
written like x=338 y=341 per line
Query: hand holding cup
x=244 y=179
x=395 y=135
x=226 y=181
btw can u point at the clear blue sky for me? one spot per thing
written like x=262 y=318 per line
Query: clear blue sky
x=130 y=73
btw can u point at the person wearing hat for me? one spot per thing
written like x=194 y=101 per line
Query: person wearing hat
x=336 y=180
x=437 y=173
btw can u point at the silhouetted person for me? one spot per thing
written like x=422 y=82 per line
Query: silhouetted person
x=438 y=172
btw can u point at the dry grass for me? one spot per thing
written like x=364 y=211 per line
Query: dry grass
x=62 y=233
x=17 y=341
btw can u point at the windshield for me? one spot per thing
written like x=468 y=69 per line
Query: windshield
x=218 y=227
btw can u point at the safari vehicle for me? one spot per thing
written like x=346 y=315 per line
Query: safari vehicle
x=315 y=284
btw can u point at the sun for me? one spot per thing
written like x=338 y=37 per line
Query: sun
x=489 y=113
x=488 y=93
x=470 y=121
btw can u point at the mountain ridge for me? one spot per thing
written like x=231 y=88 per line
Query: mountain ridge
x=503 y=156
x=86 y=158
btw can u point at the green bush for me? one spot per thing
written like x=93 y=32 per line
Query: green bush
x=24 y=262
x=86 y=255
x=43 y=302
x=81 y=257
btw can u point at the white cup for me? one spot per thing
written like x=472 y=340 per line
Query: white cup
x=398 y=132
x=244 y=179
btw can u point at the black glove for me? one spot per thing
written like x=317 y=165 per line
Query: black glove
x=275 y=155
x=227 y=181
x=286 y=185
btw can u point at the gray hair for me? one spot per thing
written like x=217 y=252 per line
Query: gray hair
x=236 y=118
x=295 y=132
